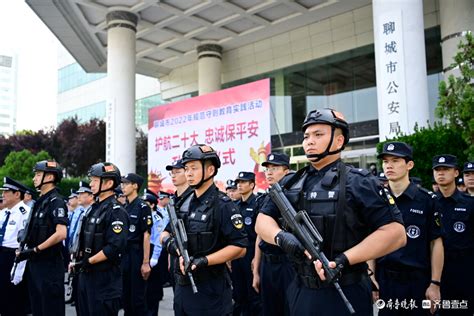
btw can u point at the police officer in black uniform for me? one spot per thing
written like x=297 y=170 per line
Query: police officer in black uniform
x=356 y=217
x=412 y=273
x=103 y=238
x=457 y=222
x=231 y=190
x=215 y=235
x=45 y=270
x=246 y=299
x=272 y=271
x=136 y=260
x=468 y=177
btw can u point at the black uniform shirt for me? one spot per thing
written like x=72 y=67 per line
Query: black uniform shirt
x=249 y=214
x=140 y=220
x=374 y=206
x=420 y=212
x=49 y=210
x=457 y=221
x=231 y=223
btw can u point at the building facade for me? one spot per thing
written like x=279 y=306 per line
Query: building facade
x=8 y=92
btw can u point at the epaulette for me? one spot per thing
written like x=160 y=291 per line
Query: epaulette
x=363 y=172
x=22 y=210
x=225 y=198
x=143 y=205
x=116 y=206
x=53 y=198
x=430 y=193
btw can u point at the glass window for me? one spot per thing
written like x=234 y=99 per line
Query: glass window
x=73 y=76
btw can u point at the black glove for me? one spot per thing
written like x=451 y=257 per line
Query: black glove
x=341 y=263
x=82 y=265
x=171 y=246
x=25 y=254
x=199 y=262
x=290 y=244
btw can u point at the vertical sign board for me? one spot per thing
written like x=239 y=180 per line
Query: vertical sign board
x=390 y=70
x=235 y=122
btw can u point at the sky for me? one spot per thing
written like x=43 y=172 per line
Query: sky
x=23 y=33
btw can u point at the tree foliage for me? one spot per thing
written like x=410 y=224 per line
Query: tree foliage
x=19 y=164
x=428 y=142
x=456 y=103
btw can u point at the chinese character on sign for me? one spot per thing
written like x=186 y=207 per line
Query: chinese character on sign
x=391 y=47
x=393 y=107
x=388 y=28
x=392 y=87
x=227 y=156
x=394 y=127
x=391 y=67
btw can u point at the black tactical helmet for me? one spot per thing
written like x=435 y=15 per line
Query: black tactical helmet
x=329 y=117
x=105 y=170
x=201 y=152
x=49 y=166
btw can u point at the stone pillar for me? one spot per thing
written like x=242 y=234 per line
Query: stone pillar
x=400 y=62
x=209 y=68
x=456 y=18
x=121 y=52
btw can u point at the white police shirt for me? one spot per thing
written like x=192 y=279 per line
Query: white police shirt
x=16 y=222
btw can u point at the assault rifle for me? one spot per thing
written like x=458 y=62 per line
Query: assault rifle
x=179 y=232
x=301 y=225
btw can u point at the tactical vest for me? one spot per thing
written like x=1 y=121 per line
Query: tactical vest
x=326 y=204
x=202 y=225
x=43 y=227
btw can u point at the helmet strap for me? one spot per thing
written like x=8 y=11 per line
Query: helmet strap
x=43 y=182
x=197 y=186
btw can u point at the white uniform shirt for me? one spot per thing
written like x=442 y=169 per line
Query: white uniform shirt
x=16 y=222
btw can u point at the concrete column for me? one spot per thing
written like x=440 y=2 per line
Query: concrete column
x=120 y=144
x=456 y=18
x=400 y=60
x=209 y=68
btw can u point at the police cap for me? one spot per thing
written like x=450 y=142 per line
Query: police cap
x=445 y=160
x=178 y=164
x=382 y=177
x=12 y=185
x=118 y=191
x=150 y=196
x=278 y=159
x=468 y=167
x=230 y=184
x=460 y=181
x=397 y=149
x=163 y=195
x=84 y=187
x=245 y=176
x=133 y=178
x=73 y=194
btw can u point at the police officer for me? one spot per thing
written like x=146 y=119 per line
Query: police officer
x=272 y=271
x=460 y=184
x=154 y=292
x=231 y=190
x=44 y=242
x=119 y=195
x=468 y=177
x=136 y=261
x=414 y=271
x=29 y=197
x=13 y=219
x=215 y=235
x=246 y=299
x=103 y=238
x=383 y=179
x=457 y=222
x=356 y=217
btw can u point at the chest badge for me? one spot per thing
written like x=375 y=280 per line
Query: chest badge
x=248 y=221
x=413 y=231
x=237 y=221
x=132 y=228
x=459 y=227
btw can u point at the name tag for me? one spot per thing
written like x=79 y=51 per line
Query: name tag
x=322 y=195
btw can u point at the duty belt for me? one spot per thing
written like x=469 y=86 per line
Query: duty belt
x=6 y=249
x=272 y=258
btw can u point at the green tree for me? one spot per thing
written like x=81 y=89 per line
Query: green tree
x=428 y=142
x=456 y=103
x=19 y=164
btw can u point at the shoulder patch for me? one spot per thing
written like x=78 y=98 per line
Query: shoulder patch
x=143 y=205
x=53 y=198
x=360 y=171
x=225 y=198
x=116 y=206
x=22 y=210
x=237 y=221
x=430 y=193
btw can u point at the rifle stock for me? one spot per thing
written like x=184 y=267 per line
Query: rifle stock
x=179 y=232
x=309 y=236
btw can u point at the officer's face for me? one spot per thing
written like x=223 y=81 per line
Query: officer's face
x=95 y=183
x=395 y=168
x=445 y=175
x=193 y=172
x=317 y=137
x=234 y=194
x=469 y=180
x=274 y=173
x=128 y=188
x=72 y=203
x=177 y=177
x=84 y=198
x=37 y=178
x=10 y=198
x=245 y=187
